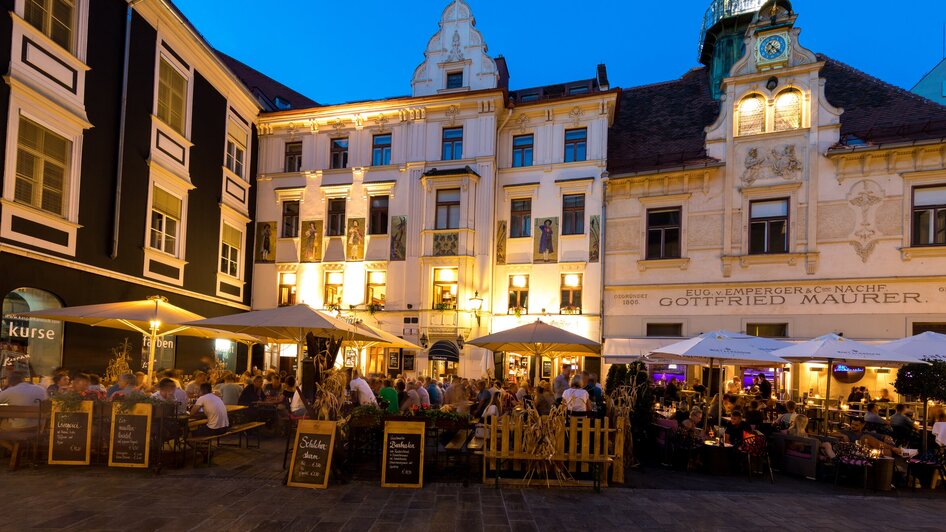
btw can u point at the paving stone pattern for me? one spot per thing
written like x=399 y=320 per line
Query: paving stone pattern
x=244 y=491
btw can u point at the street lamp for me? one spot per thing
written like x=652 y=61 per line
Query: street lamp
x=476 y=303
x=423 y=340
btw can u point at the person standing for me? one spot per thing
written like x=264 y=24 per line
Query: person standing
x=765 y=387
x=389 y=394
x=436 y=396
x=422 y=393
x=560 y=384
x=576 y=398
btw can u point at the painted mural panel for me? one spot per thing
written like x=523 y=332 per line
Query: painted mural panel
x=546 y=240
x=355 y=248
x=311 y=242
x=265 y=241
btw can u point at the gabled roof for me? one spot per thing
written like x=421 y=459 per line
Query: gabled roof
x=662 y=126
x=271 y=94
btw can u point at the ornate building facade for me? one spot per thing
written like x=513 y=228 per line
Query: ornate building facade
x=459 y=210
x=797 y=197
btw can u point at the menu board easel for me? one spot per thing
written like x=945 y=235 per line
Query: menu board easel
x=70 y=435
x=312 y=454
x=130 y=438
x=403 y=459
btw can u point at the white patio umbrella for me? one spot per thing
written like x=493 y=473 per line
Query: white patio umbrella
x=722 y=347
x=289 y=323
x=832 y=348
x=153 y=317
x=924 y=345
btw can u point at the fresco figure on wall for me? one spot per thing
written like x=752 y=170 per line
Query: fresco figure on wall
x=266 y=242
x=311 y=241
x=546 y=240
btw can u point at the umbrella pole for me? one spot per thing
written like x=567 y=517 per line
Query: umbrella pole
x=154 y=339
x=719 y=395
x=827 y=394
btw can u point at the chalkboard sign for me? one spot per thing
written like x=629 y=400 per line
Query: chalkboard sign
x=403 y=465
x=312 y=454
x=394 y=359
x=130 y=439
x=70 y=435
x=408 y=362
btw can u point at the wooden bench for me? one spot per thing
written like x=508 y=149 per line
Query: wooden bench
x=213 y=440
x=586 y=446
x=13 y=440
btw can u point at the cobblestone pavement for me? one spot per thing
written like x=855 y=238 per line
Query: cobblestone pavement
x=243 y=491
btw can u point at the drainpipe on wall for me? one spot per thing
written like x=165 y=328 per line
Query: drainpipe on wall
x=601 y=255
x=120 y=162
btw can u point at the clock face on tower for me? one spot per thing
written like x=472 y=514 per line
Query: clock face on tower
x=773 y=47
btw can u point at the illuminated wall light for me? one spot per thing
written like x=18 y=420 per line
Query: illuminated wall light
x=572 y=280
x=519 y=281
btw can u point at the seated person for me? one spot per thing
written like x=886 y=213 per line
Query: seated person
x=126 y=385
x=737 y=428
x=544 y=400
x=19 y=392
x=855 y=433
x=253 y=393
x=230 y=391
x=901 y=418
x=212 y=406
x=754 y=416
x=82 y=385
x=856 y=395
x=167 y=389
x=692 y=424
x=872 y=416
x=786 y=419
x=799 y=428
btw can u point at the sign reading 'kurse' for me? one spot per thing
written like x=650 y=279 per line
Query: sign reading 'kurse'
x=403 y=465
x=312 y=454
x=70 y=435
x=130 y=439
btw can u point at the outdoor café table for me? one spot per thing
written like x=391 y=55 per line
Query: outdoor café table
x=717 y=457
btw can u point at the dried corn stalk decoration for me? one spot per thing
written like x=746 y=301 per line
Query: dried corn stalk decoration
x=540 y=437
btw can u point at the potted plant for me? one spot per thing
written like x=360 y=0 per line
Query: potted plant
x=517 y=310
x=374 y=308
x=571 y=309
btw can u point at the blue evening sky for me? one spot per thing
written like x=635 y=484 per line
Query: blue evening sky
x=336 y=51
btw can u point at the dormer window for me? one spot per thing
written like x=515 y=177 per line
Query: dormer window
x=788 y=110
x=454 y=80
x=751 y=115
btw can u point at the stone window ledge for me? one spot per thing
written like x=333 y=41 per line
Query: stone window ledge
x=653 y=264
x=791 y=259
x=907 y=254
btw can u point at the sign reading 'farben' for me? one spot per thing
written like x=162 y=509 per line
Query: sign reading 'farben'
x=808 y=298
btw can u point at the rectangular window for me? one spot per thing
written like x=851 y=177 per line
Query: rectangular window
x=165 y=220
x=768 y=227
x=378 y=215
x=576 y=145
x=767 y=330
x=172 y=96
x=920 y=328
x=520 y=215
x=377 y=281
x=518 y=294
x=452 y=144
x=929 y=216
x=339 y=153
x=54 y=18
x=573 y=214
x=571 y=293
x=336 y=217
x=578 y=89
x=230 y=251
x=42 y=162
x=290 y=219
x=522 y=147
x=448 y=209
x=663 y=234
x=236 y=148
x=334 y=282
x=445 y=288
x=664 y=330
x=381 y=150
x=454 y=80
x=293 y=157
x=287 y=289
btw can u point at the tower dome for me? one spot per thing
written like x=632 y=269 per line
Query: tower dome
x=722 y=36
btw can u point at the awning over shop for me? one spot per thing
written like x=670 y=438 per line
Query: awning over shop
x=444 y=350
x=628 y=350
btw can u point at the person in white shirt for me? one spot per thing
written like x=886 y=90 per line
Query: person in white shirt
x=214 y=409
x=20 y=393
x=576 y=397
x=360 y=385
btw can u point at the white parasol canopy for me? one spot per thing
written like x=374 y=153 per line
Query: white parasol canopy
x=924 y=345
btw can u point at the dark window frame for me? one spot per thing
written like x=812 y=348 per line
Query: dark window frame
x=569 y=294
x=451 y=147
x=573 y=216
x=662 y=253
x=287 y=293
x=381 y=152
x=290 y=220
x=754 y=329
x=934 y=210
x=292 y=162
x=651 y=330
x=335 y=219
x=768 y=221
x=378 y=215
x=518 y=296
x=338 y=153
x=576 y=145
x=451 y=81
x=525 y=152
x=520 y=220
x=444 y=221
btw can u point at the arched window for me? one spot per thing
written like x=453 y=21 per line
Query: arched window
x=752 y=115
x=788 y=110
x=29 y=345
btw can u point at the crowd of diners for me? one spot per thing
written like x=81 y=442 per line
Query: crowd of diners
x=580 y=393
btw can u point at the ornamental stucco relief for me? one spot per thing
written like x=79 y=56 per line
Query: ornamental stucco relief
x=864 y=196
x=889 y=221
x=782 y=161
x=835 y=221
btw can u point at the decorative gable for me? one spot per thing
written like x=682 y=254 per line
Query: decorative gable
x=456 y=58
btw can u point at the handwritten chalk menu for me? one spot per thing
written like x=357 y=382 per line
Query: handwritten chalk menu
x=70 y=435
x=130 y=439
x=312 y=454
x=403 y=462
